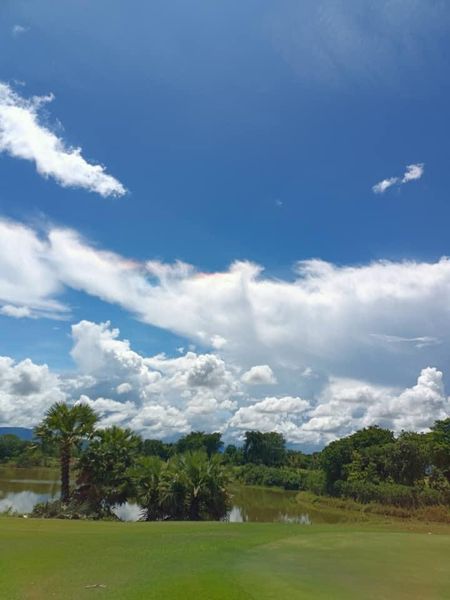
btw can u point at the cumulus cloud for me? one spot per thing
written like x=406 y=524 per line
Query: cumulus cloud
x=26 y=391
x=412 y=173
x=23 y=135
x=346 y=321
x=347 y=405
x=162 y=396
x=259 y=375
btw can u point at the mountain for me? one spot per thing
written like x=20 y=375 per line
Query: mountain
x=21 y=432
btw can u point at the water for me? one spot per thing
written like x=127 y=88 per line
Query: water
x=21 y=489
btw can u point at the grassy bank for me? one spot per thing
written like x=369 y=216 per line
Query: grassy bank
x=60 y=559
x=351 y=511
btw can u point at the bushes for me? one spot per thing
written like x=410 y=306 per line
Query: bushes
x=285 y=477
x=315 y=482
x=391 y=493
x=73 y=510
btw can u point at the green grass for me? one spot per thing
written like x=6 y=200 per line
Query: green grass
x=45 y=559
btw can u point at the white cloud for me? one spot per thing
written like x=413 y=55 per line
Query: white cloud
x=412 y=173
x=418 y=342
x=22 y=135
x=346 y=321
x=259 y=375
x=27 y=280
x=383 y=185
x=19 y=30
x=26 y=391
x=18 y=312
x=163 y=397
x=347 y=405
x=124 y=388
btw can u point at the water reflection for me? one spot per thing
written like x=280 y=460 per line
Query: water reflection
x=21 y=489
x=129 y=511
x=21 y=502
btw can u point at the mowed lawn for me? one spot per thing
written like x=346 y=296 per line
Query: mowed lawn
x=45 y=559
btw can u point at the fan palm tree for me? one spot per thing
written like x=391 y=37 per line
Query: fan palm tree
x=145 y=477
x=103 y=479
x=66 y=427
x=193 y=487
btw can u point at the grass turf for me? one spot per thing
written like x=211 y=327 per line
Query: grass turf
x=45 y=559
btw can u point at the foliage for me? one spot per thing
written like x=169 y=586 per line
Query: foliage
x=285 y=477
x=102 y=468
x=264 y=448
x=211 y=443
x=145 y=477
x=11 y=446
x=409 y=497
x=157 y=448
x=190 y=486
x=65 y=427
x=233 y=455
x=440 y=446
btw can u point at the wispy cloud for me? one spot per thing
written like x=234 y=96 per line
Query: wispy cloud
x=412 y=173
x=417 y=342
x=19 y=30
x=22 y=135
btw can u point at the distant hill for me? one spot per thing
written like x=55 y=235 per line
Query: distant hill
x=21 y=432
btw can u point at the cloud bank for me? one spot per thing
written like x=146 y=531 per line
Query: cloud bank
x=329 y=350
x=163 y=397
x=22 y=135
x=349 y=321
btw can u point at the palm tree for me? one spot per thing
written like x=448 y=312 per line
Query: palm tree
x=193 y=487
x=103 y=479
x=66 y=427
x=145 y=477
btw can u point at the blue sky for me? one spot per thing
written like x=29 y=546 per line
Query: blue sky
x=242 y=131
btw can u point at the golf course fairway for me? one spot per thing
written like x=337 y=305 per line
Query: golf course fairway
x=44 y=559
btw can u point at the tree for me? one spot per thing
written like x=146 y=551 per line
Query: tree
x=157 y=448
x=145 y=476
x=193 y=487
x=359 y=456
x=11 y=446
x=211 y=443
x=66 y=427
x=103 y=480
x=371 y=436
x=406 y=459
x=233 y=455
x=439 y=440
x=264 y=448
x=334 y=458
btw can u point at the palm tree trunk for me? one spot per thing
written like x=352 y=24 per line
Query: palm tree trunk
x=65 y=473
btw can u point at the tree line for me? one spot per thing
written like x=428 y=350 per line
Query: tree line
x=188 y=479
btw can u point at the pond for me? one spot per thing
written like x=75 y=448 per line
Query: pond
x=21 y=489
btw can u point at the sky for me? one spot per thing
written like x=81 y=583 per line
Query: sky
x=226 y=216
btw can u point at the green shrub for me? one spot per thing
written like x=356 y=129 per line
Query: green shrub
x=285 y=477
x=403 y=496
